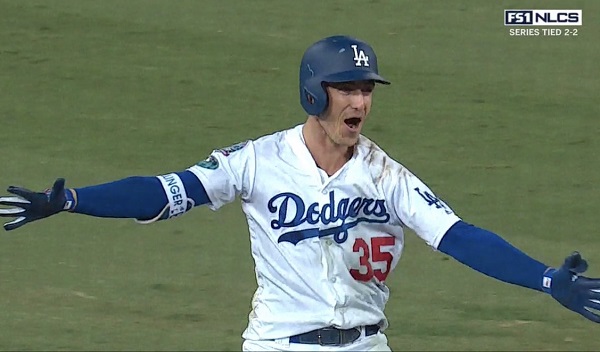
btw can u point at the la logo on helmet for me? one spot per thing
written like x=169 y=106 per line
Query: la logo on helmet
x=360 y=58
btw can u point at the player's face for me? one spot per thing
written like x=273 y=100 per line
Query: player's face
x=349 y=105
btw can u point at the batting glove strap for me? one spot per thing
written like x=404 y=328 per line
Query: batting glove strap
x=70 y=199
x=547 y=280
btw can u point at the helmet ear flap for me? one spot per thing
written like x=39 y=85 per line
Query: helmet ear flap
x=314 y=98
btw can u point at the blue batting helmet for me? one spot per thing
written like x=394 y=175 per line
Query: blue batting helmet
x=334 y=59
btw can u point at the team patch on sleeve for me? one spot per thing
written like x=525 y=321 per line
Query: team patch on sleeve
x=232 y=148
x=210 y=163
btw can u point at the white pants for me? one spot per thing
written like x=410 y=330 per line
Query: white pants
x=377 y=342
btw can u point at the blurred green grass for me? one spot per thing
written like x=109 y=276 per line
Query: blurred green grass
x=503 y=128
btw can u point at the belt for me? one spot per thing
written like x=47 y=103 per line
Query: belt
x=331 y=336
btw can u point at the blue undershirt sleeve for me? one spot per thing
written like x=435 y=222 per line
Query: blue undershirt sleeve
x=138 y=197
x=491 y=255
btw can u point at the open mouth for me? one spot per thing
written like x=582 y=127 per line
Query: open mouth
x=353 y=122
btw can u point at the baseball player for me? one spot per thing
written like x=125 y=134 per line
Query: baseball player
x=326 y=211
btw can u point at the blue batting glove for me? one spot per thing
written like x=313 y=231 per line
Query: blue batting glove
x=578 y=293
x=29 y=206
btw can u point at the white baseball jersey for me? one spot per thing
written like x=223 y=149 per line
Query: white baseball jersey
x=323 y=245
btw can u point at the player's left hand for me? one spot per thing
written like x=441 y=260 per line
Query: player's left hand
x=578 y=293
x=30 y=206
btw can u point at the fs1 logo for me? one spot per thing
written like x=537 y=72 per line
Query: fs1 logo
x=543 y=18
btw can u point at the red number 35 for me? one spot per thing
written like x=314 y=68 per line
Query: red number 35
x=373 y=254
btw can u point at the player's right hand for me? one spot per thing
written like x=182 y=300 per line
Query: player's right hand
x=575 y=292
x=29 y=206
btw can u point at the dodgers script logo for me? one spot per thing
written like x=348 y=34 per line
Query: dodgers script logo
x=292 y=211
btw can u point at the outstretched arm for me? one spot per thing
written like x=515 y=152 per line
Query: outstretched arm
x=144 y=198
x=140 y=197
x=489 y=254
